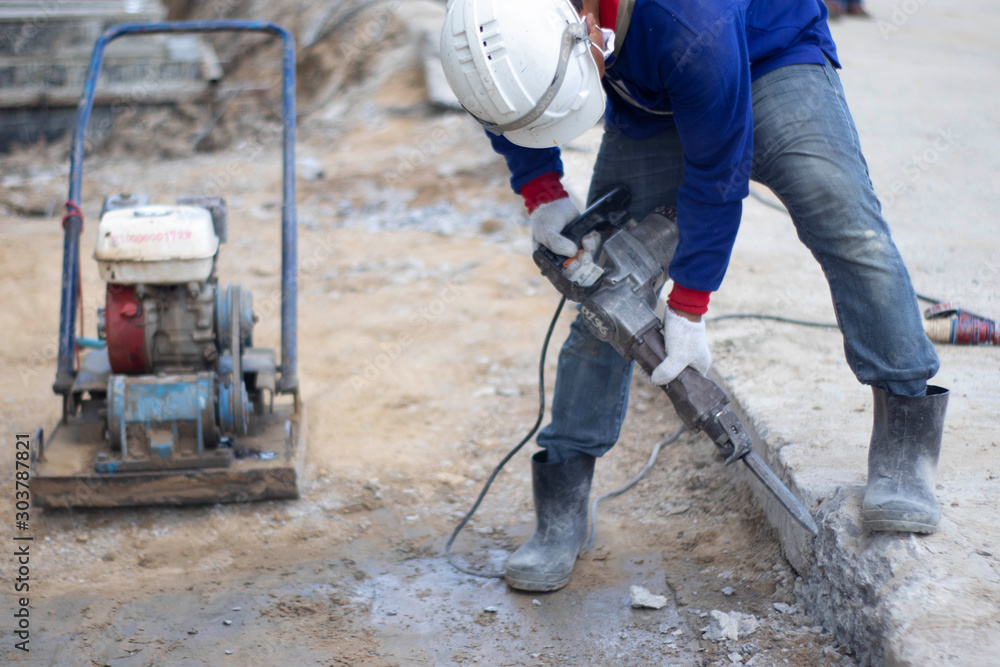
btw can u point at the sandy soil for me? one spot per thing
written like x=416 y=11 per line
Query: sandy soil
x=421 y=318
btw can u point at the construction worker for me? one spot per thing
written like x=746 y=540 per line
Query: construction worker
x=700 y=98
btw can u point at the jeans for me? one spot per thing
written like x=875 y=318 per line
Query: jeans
x=806 y=149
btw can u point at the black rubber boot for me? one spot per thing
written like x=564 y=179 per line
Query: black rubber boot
x=902 y=460
x=561 y=490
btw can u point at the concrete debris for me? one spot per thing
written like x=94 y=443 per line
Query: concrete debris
x=309 y=168
x=669 y=509
x=451 y=479
x=732 y=625
x=490 y=610
x=643 y=599
x=449 y=166
x=728 y=590
x=783 y=608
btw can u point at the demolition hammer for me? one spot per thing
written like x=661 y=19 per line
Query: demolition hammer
x=617 y=306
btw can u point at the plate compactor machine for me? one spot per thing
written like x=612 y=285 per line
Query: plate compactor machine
x=175 y=405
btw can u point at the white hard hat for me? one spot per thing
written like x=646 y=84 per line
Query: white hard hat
x=523 y=68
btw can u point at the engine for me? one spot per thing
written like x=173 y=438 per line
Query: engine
x=183 y=372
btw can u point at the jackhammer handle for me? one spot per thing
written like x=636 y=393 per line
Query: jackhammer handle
x=610 y=209
x=694 y=396
x=647 y=348
x=699 y=402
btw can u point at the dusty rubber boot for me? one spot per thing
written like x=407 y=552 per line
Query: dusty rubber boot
x=902 y=460
x=561 y=491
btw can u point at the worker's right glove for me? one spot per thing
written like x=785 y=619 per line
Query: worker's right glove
x=685 y=344
x=547 y=220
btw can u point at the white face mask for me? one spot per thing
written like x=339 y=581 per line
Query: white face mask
x=609 y=42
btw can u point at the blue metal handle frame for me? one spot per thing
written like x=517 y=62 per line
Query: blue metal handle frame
x=73 y=224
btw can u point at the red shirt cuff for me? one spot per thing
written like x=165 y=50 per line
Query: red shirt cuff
x=689 y=300
x=542 y=190
x=609 y=13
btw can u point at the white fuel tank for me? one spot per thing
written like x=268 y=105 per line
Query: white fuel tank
x=157 y=245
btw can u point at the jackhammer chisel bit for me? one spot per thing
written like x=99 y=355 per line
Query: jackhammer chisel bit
x=702 y=405
x=618 y=308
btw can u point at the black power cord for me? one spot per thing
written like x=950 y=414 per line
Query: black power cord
x=635 y=480
x=776 y=318
x=517 y=448
x=510 y=454
x=789 y=320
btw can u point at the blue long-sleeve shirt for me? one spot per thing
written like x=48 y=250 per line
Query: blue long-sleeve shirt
x=689 y=64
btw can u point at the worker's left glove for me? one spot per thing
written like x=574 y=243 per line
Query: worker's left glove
x=548 y=220
x=685 y=344
x=582 y=269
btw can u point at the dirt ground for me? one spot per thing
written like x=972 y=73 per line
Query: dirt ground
x=421 y=316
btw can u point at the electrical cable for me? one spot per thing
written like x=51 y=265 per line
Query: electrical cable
x=767 y=202
x=924 y=297
x=776 y=318
x=789 y=320
x=635 y=480
x=509 y=456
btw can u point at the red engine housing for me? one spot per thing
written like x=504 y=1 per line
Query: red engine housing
x=125 y=330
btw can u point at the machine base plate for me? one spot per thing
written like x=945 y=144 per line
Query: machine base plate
x=65 y=477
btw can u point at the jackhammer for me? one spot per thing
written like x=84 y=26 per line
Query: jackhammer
x=617 y=297
x=617 y=305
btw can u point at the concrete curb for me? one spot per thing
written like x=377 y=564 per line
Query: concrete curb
x=894 y=599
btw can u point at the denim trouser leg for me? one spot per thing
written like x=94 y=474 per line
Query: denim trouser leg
x=806 y=149
x=592 y=380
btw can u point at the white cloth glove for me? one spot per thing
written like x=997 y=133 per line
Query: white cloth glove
x=548 y=220
x=582 y=270
x=685 y=344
